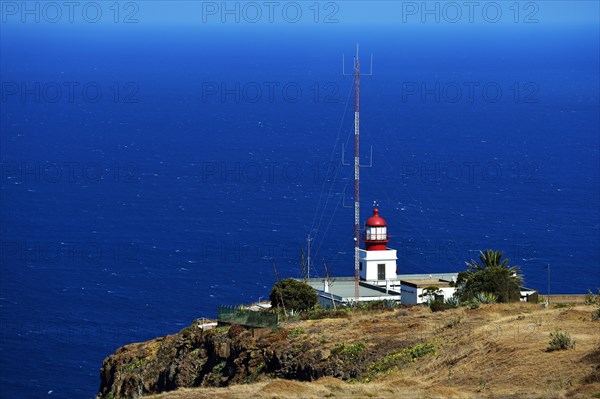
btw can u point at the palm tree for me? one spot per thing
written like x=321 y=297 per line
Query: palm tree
x=489 y=258
x=491 y=274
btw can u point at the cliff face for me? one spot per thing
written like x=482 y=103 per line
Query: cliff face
x=219 y=357
x=494 y=351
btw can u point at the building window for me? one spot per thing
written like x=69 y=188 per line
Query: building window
x=360 y=266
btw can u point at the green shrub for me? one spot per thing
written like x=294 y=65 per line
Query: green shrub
x=592 y=299
x=560 y=340
x=472 y=304
x=136 y=364
x=218 y=369
x=256 y=374
x=420 y=350
x=430 y=294
x=386 y=304
x=296 y=332
x=349 y=352
x=397 y=359
x=290 y=294
x=220 y=330
x=320 y=313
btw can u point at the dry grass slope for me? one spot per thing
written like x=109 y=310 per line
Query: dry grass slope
x=497 y=351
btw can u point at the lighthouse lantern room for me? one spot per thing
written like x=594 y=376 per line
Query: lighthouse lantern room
x=377 y=262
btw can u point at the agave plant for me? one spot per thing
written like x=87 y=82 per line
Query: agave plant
x=486 y=297
x=390 y=303
x=453 y=301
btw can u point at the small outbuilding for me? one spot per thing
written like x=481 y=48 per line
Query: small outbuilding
x=412 y=291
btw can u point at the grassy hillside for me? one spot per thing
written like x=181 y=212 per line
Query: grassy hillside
x=496 y=351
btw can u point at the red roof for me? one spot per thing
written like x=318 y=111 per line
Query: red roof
x=376 y=220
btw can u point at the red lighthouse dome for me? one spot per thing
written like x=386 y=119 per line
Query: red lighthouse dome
x=376 y=237
x=375 y=220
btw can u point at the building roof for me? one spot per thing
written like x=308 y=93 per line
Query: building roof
x=432 y=276
x=426 y=283
x=344 y=288
x=375 y=220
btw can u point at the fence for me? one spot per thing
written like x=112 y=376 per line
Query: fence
x=246 y=317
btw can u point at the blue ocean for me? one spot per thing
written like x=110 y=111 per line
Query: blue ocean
x=155 y=169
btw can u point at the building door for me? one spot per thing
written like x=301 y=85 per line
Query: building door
x=381 y=271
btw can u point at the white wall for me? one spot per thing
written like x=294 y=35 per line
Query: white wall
x=412 y=296
x=370 y=260
x=448 y=292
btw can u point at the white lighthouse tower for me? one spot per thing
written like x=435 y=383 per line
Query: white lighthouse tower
x=377 y=262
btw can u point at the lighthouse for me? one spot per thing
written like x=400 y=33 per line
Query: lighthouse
x=377 y=262
x=375 y=276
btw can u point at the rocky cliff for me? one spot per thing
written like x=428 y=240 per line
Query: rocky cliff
x=220 y=357
x=494 y=350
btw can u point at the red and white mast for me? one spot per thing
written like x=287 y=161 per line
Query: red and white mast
x=357 y=167
x=356 y=171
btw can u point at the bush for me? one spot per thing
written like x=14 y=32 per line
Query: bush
x=560 y=340
x=430 y=293
x=439 y=306
x=596 y=314
x=296 y=332
x=386 y=304
x=397 y=359
x=472 y=304
x=290 y=294
x=319 y=313
x=592 y=299
x=349 y=352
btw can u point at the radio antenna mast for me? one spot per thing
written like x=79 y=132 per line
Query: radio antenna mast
x=357 y=165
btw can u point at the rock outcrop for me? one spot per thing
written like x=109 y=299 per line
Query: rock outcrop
x=407 y=352
x=214 y=358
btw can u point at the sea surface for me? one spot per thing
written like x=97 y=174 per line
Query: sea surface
x=152 y=174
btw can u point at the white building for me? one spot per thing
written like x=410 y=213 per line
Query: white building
x=379 y=278
x=412 y=290
x=341 y=290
